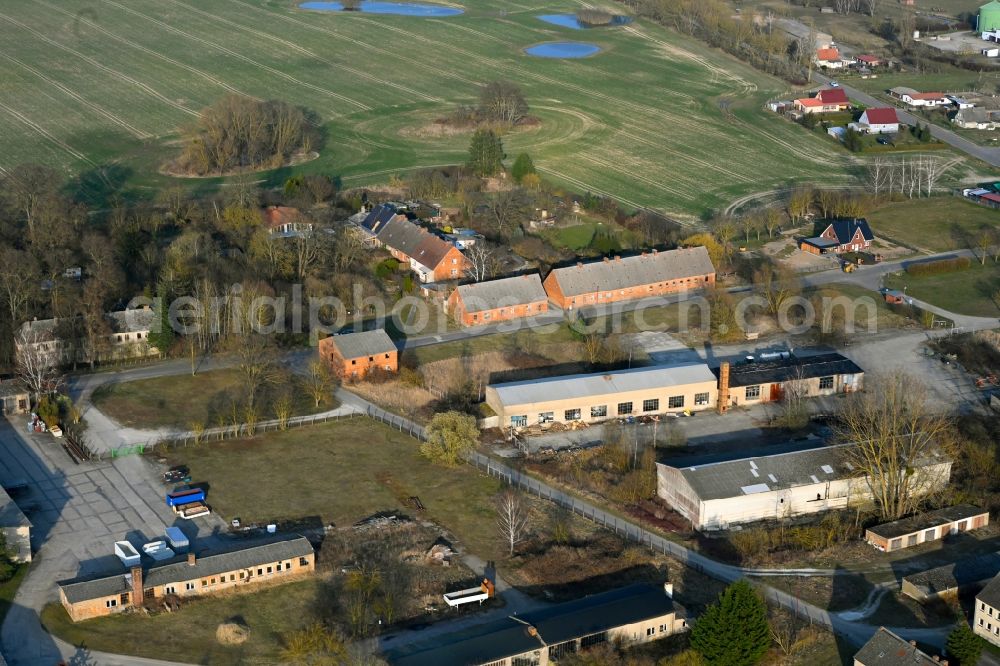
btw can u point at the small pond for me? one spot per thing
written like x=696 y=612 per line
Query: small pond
x=395 y=8
x=572 y=22
x=563 y=50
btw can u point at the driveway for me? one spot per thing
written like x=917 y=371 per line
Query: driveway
x=77 y=513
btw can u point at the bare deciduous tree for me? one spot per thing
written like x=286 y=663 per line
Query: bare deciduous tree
x=503 y=102
x=893 y=430
x=512 y=518
x=480 y=262
x=35 y=359
x=319 y=381
x=256 y=364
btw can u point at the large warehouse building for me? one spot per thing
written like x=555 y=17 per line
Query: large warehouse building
x=770 y=380
x=722 y=494
x=597 y=397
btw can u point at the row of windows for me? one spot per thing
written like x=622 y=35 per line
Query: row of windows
x=601 y=411
x=989 y=627
x=261 y=571
x=354 y=361
x=753 y=391
x=504 y=311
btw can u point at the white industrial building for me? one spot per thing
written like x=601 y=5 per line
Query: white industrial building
x=722 y=494
x=597 y=397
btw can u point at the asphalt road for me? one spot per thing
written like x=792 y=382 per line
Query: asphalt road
x=989 y=155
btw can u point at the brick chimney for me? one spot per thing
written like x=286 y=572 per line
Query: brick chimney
x=724 y=387
x=137 y=594
x=192 y=559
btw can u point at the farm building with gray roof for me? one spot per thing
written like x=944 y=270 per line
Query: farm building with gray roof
x=617 y=279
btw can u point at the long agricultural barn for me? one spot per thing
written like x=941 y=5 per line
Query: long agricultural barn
x=925 y=527
x=639 y=613
x=770 y=380
x=722 y=494
x=597 y=397
x=498 y=300
x=617 y=279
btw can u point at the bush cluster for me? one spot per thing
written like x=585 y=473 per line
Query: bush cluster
x=938 y=267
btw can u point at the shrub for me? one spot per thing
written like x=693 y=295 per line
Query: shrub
x=594 y=17
x=938 y=267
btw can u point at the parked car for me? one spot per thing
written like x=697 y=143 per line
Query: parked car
x=834 y=84
x=884 y=141
x=178 y=474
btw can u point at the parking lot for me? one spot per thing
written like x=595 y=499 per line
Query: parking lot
x=77 y=513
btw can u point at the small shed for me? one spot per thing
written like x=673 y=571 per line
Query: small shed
x=895 y=297
x=930 y=526
x=14 y=398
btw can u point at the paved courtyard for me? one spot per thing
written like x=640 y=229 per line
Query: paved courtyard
x=77 y=513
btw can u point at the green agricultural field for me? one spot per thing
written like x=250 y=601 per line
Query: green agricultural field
x=103 y=89
x=937 y=225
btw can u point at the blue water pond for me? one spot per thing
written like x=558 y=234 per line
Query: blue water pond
x=563 y=50
x=573 y=23
x=395 y=8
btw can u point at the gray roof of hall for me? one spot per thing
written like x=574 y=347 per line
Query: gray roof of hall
x=990 y=595
x=650 y=268
x=602 y=383
x=364 y=343
x=747 y=476
x=794 y=368
x=926 y=520
x=13 y=387
x=491 y=641
x=120 y=321
x=178 y=569
x=10 y=514
x=887 y=649
x=956 y=575
x=494 y=294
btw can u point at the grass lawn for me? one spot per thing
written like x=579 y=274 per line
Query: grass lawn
x=937 y=224
x=8 y=589
x=189 y=635
x=179 y=401
x=968 y=292
x=341 y=472
x=84 y=93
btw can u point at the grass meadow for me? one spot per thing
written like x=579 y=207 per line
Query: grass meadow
x=103 y=89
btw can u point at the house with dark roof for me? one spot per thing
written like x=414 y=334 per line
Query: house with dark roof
x=493 y=301
x=887 y=649
x=649 y=274
x=275 y=561
x=927 y=526
x=430 y=257
x=986 y=619
x=351 y=356
x=828 y=100
x=772 y=379
x=839 y=236
x=638 y=613
x=720 y=495
x=877 y=121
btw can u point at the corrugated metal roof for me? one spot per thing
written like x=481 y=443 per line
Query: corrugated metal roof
x=495 y=294
x=887 y=649
x=178 y=569
x=737 y=477
x=364 y=343
x=603 y=383
x=492 y=641
x=925 y=521
x=637 y=271
x=794 y=368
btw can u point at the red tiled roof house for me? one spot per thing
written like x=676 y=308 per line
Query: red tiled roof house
x=879 y=121
x=827 y=100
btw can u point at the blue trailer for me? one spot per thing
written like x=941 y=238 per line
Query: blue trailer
x=183 y=496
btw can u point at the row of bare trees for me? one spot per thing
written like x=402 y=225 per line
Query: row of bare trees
x=911 y=177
